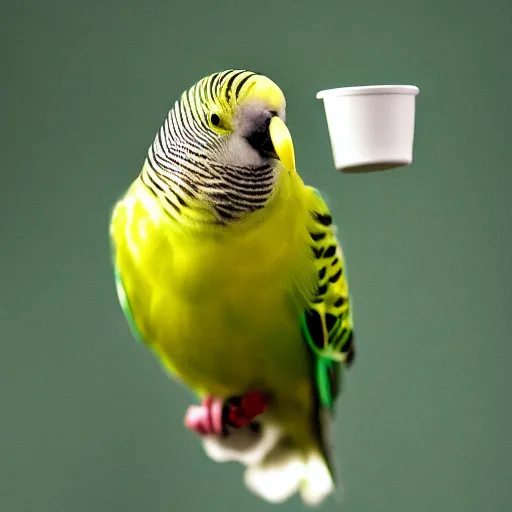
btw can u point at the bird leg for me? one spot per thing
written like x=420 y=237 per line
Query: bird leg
x=215 y=415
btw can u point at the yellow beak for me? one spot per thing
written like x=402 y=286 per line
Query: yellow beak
x=282 y=141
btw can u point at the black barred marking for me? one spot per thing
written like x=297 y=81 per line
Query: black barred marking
x=330 y=321
x=335 y=261
x=335 y=277
x=263 y=176
x=324 y=219
x=241 y=84
x=317 y=236
x=155 y=183
x=212 y=84
x=175 y=207
x=181 y=200
x=339 y=302
x=330 y=252
x=223 y=75
x=233 y=202
x=225 y=213
x=315 y=328
x=193 y=188
x=150 y=188
x=322 y=290
x=229 y=85
x=181 y=161
x=321 y=273
x=318 y=252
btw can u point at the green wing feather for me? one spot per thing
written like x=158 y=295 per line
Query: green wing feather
x=327 y=323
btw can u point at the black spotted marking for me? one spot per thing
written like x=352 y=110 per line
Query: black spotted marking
x=330 y=252
x=322 y=290
x=330 y=321
x=317 y=236
x=335 y=277
x=318 y=252
x=325 y=220
x=339 y=302
x=335 y=261
x=321 y=273
x=315 y=327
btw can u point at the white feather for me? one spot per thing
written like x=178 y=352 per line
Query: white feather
x=242 y=445
x=275 y=470
x=317 y=483
x=275 y=483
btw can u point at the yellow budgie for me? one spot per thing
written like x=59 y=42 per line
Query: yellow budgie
x=227 y=266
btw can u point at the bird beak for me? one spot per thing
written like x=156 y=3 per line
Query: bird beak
x=282 y=142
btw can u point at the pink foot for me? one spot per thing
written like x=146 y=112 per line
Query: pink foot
x=205 y=419
x=214 y=415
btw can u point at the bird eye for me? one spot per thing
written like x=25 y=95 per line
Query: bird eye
x=215 y=119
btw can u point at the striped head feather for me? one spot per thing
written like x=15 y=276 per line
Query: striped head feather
x=214 y=149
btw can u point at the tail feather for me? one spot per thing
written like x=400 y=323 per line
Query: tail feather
x=276 y=467
x=278 y=476
x=286 y=470
x=318 y=482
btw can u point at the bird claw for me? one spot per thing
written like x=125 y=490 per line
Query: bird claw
x=214 y=415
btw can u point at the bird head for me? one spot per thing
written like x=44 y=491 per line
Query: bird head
x=226 y=142
x=244 y=113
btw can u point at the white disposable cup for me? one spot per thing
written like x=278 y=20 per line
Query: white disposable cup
x=371 y=127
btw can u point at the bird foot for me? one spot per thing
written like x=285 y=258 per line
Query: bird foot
x=215 y=415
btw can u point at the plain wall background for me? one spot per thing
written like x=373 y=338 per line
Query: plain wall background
x=88 y=420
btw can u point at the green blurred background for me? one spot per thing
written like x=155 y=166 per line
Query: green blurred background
x=88 y=421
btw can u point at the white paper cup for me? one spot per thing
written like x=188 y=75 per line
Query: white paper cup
x=371 y=127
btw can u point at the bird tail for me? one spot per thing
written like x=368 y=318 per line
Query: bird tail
x=276 y=466
x=286 y=470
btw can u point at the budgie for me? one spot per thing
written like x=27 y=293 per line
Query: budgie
x=228 y=268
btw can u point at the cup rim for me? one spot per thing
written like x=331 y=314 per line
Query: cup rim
x=361 y=90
